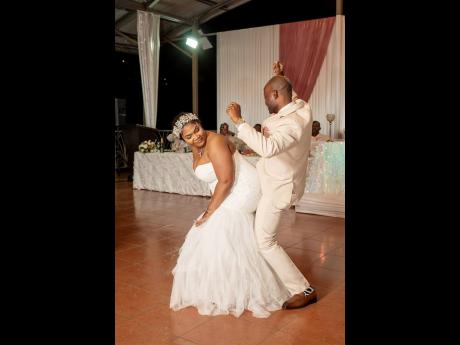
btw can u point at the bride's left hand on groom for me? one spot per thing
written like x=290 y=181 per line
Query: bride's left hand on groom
x=266 y=132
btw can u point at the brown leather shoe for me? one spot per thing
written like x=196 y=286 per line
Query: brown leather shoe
x=300 y=300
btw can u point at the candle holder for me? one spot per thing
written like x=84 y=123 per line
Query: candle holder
x=330 y=118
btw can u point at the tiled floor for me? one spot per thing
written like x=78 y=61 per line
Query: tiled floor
x=150 y=228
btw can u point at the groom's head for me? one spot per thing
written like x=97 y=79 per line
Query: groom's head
x=277 y=93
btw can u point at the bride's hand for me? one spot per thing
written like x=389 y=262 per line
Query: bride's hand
x=203 y=218
x=265 y=132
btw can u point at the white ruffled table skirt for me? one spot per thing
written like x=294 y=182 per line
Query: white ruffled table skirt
x=170 y=172
x=324 y=191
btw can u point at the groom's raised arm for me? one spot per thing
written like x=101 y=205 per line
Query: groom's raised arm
x=279 y=141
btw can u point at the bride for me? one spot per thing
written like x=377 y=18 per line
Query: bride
x=219 y=269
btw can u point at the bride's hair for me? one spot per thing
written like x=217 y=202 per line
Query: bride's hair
x=181 y=120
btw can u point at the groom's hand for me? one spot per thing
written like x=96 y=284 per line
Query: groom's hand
x=234 y=112
x=278 y=68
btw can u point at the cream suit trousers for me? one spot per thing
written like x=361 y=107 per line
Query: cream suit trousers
x=266 y=226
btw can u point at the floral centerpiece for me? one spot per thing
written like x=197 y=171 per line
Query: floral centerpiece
x=177 y=145
x=147 y=146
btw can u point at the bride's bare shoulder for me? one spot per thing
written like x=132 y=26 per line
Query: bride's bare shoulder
x=215 y=138
x=217 y=141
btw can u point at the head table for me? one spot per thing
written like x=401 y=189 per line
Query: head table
x=324 y=194
x=170 y=172
x=325 y=187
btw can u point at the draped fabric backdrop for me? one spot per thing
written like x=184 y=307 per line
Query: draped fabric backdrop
x=328 y=96
x=313 y=53
x=244 y=65
x=148 y=36
x=303 y=46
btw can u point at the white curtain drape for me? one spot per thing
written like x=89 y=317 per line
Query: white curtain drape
x=244 y=65
x=148 y=38
x=328 y=96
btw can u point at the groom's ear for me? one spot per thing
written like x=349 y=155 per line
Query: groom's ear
x=275 y=94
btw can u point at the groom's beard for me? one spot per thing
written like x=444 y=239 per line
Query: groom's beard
x=272 y=107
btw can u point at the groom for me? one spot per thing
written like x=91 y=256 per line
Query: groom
x=282 y=172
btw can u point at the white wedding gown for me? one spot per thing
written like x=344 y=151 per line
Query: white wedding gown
x=219 y=269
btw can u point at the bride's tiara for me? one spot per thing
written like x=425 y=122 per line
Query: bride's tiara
x=182 y=121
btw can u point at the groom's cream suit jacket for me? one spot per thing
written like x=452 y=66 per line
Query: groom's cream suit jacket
x=284 y=155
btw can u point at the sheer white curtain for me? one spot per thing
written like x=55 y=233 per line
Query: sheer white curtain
x=244 y=65
x=148 y=38
x=328 y=96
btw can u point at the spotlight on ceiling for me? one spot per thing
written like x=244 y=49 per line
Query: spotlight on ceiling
x=191 y=42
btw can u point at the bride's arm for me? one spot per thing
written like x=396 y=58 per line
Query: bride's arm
x=222 y=161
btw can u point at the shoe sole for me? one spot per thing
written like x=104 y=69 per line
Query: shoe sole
x=314 y=300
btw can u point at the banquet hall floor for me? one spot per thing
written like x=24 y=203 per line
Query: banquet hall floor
x=150 y=228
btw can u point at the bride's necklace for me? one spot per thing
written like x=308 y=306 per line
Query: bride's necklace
x=200 y=152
